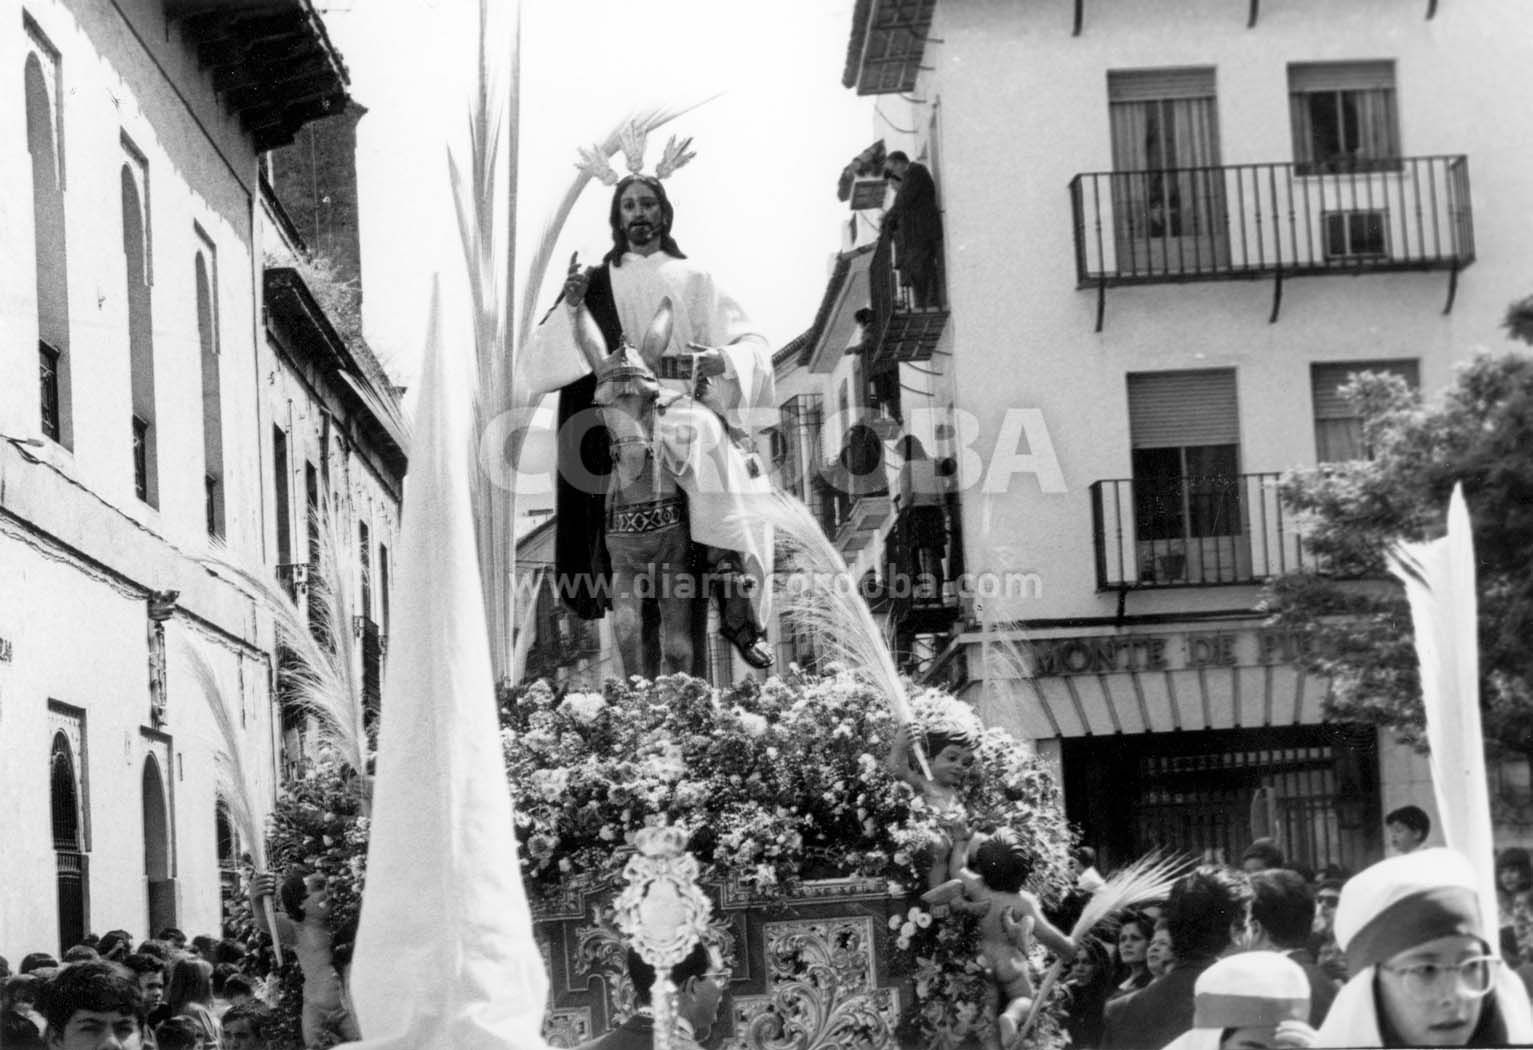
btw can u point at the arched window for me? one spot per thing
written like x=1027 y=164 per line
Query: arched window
x=205 y=269
x=49 y=252
x=66 y=800
x=67 y=842
x=135 y=248
x=227 y=840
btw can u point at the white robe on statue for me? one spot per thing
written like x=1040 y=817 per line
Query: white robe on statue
x=716 y=474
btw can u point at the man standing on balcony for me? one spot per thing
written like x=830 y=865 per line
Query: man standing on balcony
x=729 y=369
x=915 y=223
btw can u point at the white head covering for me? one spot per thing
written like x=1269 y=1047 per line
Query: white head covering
x=1244 y=990
x=1393 y=906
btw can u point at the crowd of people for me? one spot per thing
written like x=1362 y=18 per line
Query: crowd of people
x=165 y=992
x=1266 y=955
x=1236 y=957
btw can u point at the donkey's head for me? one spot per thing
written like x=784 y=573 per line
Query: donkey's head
x=627 y=375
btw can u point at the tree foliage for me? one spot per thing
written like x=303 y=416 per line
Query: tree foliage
x=1354 y=616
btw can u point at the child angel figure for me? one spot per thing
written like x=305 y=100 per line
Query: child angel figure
x=952 y=738
x=990 y=886
x=305 y=929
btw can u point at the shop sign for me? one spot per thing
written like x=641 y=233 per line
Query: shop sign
x=1113 y=654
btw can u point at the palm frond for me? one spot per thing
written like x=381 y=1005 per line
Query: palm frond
x=821 y=597
x=1149 y=878
x=1439 y=578
x=234 y=783
x=1001 y=657
x=319 y=678
x=525 y=632
x=239 y=791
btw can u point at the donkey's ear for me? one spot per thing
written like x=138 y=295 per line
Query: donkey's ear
x=658 y=335
x=588 y=337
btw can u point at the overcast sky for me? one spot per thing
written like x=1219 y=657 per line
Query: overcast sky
x=757 y=206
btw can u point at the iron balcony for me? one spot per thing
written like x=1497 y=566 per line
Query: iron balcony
x=1284 y=219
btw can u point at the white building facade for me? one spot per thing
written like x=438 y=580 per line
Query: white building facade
x=1170 y=231
x=136 y=441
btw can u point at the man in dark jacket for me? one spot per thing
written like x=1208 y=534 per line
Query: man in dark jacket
x=915 y=223
x=1208 y=912
x=700 y=984
x=1282 y=916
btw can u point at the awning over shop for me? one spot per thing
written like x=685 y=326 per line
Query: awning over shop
x=1151 y=683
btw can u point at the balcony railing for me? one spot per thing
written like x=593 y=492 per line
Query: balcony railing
x=1195 y=531
x=294 y=580
x=1242 y=220
x=907 y=322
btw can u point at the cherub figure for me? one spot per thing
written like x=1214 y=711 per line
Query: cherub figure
x=991 y=887
x=305 y=929
x=950 y=751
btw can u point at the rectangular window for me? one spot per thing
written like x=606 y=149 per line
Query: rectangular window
x=311 y=507
x=134 y=185
x=44 y=110
x=1338 y=427
x=205 y=279
x=1354 y=234
x=383 y=588
x=365 y=557
x=1344 y=117
x=1168 y=191
x=281 y=482
x=48 y=369
x=1185 y=432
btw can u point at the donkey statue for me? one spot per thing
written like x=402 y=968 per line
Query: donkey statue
x=648 y=539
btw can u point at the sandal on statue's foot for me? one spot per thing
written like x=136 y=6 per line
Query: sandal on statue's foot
x=758 y=654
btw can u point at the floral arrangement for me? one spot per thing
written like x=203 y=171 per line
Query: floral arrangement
x=774 y=784
x=318 y=824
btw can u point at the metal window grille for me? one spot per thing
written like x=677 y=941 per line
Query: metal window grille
x=210 y=502
x=48 y=369
x=141 y=457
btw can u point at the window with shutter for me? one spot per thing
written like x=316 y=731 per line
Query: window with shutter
x=1338 y=427
x=1185 y=431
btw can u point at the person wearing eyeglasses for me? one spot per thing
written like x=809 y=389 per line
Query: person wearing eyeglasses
x=700 y=979
x=1328 y=884
x=1423 y=972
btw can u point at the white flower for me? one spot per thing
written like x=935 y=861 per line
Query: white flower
x=584 y=707
x=754 y=725
x=923 y=919
x=771 y=752
x=551 y=783
x=907 y=930
x=903 y=943
x=894 y=922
